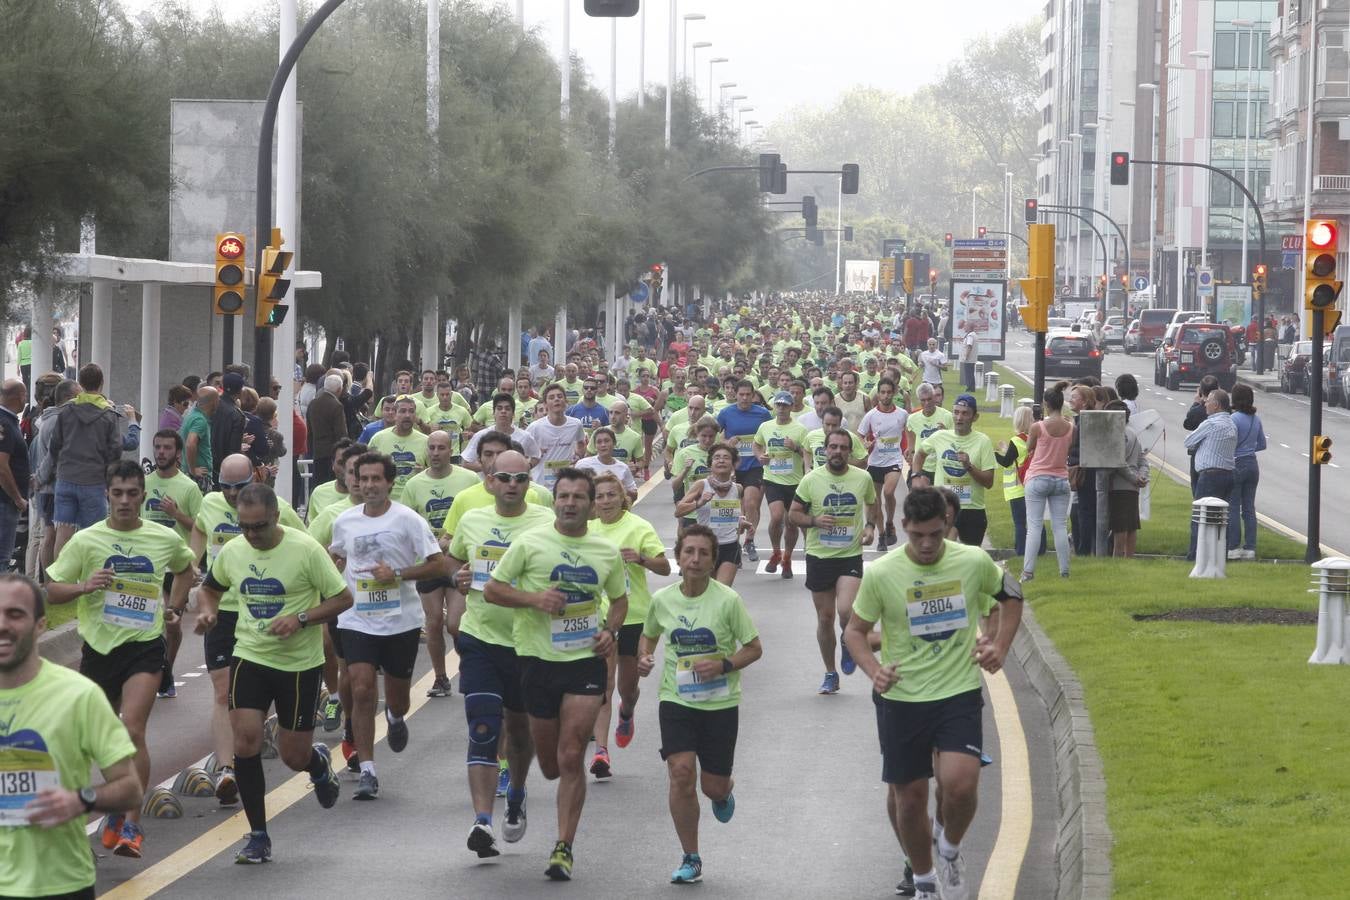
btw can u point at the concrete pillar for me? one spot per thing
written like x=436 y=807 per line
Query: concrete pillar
x=433 y=343
x=560 y=336
x=100 y=328
x=42 y=330
x=240 y=326
x=513 y=337
x=150 y=400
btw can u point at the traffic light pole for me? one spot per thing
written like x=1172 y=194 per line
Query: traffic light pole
x=227 y=330
x=1058 y=211
x=1314 y=551
x=1038 y=389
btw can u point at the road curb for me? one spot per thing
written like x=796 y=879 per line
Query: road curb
x=1083 y=838
x=61 y=645
x=1262 y=386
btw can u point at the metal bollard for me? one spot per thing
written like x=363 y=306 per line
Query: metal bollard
x=1005 y=401
x=990 y=386
x=1210 y=514
x=1331 y=580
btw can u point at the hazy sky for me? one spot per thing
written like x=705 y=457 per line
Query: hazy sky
x=781 y=52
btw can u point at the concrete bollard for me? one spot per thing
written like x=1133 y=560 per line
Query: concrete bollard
x=1005 y=401
x=979 y=372
x=990 y=386
x=1331 y=581
x=1210 y=514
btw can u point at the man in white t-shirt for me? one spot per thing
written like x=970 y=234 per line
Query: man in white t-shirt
x=969 y=353
x=933 y=361
x=503 y=422
x=560 y=437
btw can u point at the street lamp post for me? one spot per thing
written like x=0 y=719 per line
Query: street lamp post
x=1076 y=189
x=1200 y=56
x=1247 y=132
x=1152 y=189
x=698 y=45
x=1129 y=199
x=721 y=97
x=684 y=48
x=715 y=61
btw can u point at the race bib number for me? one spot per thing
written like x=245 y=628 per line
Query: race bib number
x=577 y=626
x=23 y=774
x=836 y=535
x=377 y=599
x=888 y=447
x=691 y=687
x=962 y=491
x=936 y=609
x=725 y=512
x=131 y=604
x=484 y=560
x=218 y=540
x=745 y=447
x=781 y=465
x=551 y=470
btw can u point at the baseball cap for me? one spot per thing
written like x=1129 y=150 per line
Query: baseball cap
x=233 y=382
x=968 y=400
x=782 y=397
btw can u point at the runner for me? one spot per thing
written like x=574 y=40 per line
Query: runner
x=488 y=673
x=928 y=597
x=560 y=437
x=604 y=461
x=403 y=443
x=286 y=582
x=716 y=501
x=691 y=461
x=380 y=548
x=589 y=411
x=710 y=639
x=627 y=441
x=837 y=505
x=115 y=570
x=740 y=423
x=780 y=446
x=58 y=724
x=503 y=415
x=430 y=494
x=329 y=492
x=965 y=463
x=854 y=405
x=643 y=552
x=171 y=499
x=883 y=430
x=444 y=414
x=923 y=422
x=556 y=582
x=832 y=418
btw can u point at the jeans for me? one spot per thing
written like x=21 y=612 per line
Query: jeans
x=9 y=526
x=80 y=505
x=1242 y=504
x=1046 y=490
x=1018 y=505
x=968 y=375
x=1085 y=523
x=1210 y=483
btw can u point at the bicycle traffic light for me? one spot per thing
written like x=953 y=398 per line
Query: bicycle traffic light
x=1320 y=286
x=849 y=179
x=1321 y=450
x=1120 y=168
x=1038 y=288
x=228 y=294
x=1259 y=279
x=272 y=287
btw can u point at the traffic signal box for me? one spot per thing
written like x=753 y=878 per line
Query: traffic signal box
x=1038 y=288
x=849 y=178
x=1321 y=450
x=907 y=279
x=228 y=295
x=1030 y=210
x=1259 y=273
x=1120 y=168
x=1321 y=287
x=272 y=286
x=947 y=239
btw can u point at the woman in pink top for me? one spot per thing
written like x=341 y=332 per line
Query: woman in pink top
x=1047 y=482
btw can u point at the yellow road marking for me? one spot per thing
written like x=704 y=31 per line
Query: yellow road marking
x=1014 y=827
x=649 y=485
x=227 y=834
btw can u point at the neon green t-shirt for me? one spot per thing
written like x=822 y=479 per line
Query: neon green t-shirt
x=217 y=520
x=131 y=608
x=712 y=625
x=784 y=465
x=637 y=404
x=690 y=464
x=481 y=540
x=633 y=532
x=943 y=446
x=431 y=497
x=320 y=498
x=408 y=453
x=294 y=576
x=477 y=496
x=921 y=427
x=453 y=421
x=181 y=489
x=321 y=529
x=847 y=498
x=56 y=727
x=573 y=390
x=815 y=443
x=929 y=618
x=627 y=444
x=586 y=569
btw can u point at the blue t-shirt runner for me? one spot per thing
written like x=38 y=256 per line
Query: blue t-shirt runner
x=739 y=423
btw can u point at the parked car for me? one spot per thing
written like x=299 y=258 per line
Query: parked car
x=1152 y=326
x=1113 y=332
x=1336 y=368
x=1200 y=349
x=1072 y=354
x=1294 y=368
x=1129 y=341
x=1058 y=323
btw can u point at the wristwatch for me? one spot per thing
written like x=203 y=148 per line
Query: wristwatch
x=727 y=666
x=303 y=619
x=614 y=633
x=89 y=797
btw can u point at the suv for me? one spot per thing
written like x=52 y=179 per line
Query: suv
x=1336 y=368
x=1198 y=349
x=1152 y=326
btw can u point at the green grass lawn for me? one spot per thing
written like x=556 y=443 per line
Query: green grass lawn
x=60 y=615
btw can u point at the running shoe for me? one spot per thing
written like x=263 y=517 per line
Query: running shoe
x=600 y=764
x=112 y=830
x=326 y=789
x=690 y=870
x=830 y=685
x=952 y=878
x=890 y=533
x=348 y=751
x=560 y=862
x=398 y=734
x=167 y=693
x=482 y=841
x=503 y=779
x=787 y=567
x=846 y=663
x=440 y=687
x=751 y=553
x=723 y=810
x=129 y=841
x=926 y=891
x=881 y=542
x=367 y=788
x=513 y=829
x=258 y=850
x=773 y=562
x=332 y=715
x=624 y=731
x=906 y=886
x=227 y=789
x=985 y=760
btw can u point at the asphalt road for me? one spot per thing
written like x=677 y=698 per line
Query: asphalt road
x=1282 y=493
x=810 y=817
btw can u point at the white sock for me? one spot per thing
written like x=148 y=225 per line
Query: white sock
x=367 y=767
x=937 y=830
x=947 y=849
x=929 y=878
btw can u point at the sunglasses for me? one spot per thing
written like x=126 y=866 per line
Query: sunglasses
x=234 y=485
x=509 y=477
x=253 y=527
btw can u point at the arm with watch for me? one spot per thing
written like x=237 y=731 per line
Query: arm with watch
x=178 y=591
x=437 y=565
x=330 y=608
x=608 y=638
x=121 y=790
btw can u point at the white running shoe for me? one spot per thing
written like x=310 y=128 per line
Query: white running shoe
x=952 y=878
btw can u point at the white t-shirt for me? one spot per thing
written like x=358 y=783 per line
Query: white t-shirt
x=557 y=447
x=932 y=361
x=968 y=354
x=527 y=443
x=399 y=538
x=810 y=421
x=888 y=428
x=618 y=468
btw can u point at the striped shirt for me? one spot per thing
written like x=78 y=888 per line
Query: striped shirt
x=1214 y=442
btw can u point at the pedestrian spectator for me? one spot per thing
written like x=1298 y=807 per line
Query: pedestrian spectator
x=1082 y=481
x=192 y=382
x=171 y=416
x=538 y=343
x=1214 y=445
x=1047 y=481
x=1195 y=415
x=24 y=343
x=274 y=442
x=85 y=441
x=933 y=361
x=487 y=368
x=59 y=365
x=355 y=398
x=1013 y=459
x=327 y=420
x=1251 y=440
x=1127 y=389
x=196 y=433
x=44 y=491
x=1123 y=490
x=228 y=423
x=255 y=428
x=386 y=420
x=14 y=466
x=313 y=381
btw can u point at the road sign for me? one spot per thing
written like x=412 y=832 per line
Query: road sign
x=886 y=275
x=1204 y=281
x=981 y=244
x=640 y=293
x=1066 y=291
x=1140 y=282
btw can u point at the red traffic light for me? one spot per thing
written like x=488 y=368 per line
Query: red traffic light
x=983 y=231
x=932 y=274
x=1260 y=270
x=657 y=269
x=947 y=239
x=1120 y=159
x=1322 y=235
x=1029 y=214
x=230 y=247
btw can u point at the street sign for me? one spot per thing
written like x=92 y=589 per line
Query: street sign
x=886 y=276
x=1066 y=291
x=1140 y=282
x=640 y=293
x=980 y=244
x=1204 y=281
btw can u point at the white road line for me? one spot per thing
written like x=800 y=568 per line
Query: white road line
x=1286 y=446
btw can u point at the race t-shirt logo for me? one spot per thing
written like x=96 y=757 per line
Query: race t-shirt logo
x=125 y=560
x=263 y=594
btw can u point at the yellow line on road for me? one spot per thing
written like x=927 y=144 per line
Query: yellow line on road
x=1014 y=827
x=229 y=833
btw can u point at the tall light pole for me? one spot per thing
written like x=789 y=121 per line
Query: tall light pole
x=642 y=55
x=715 y=61
x=1152 y=190
x=566 y=65
x=1180 y=69
x=740 y=112
x=1129 y=199
x=721 y=97
x=1076 y=191
x=745 y=129
x=1200 y=57
x=698 y=45
x=684 y=47
x=670 y=67
x=1247 y=134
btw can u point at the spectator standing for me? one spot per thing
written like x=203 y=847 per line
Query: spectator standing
x=537 y=344
x=228 y=423
x=1014 y=489
x=25 y=347
x=933 y=361
x=1195 y=415
x=14 y=467
x=1082 y=481
x=1047 y=481
x=255 y=428
x=196 y=434
x=1123 y=490
x=171 y=416
x=1251 y=440
x=314 y=375
x=1214 y=445
x=327 y=420
x=542 y=371
x=85 y=441
x=44 y=492
x=487 y=368
x=1127 y=389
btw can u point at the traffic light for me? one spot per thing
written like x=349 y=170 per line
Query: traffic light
x=1321 y=450
x=932 y=280
x=849 y=183
x=1101 y=285
x=611 y=9
x=1030 y=211
x=947 y=239
x=1259 y=279
x=780 y=180
x=809 y=210
x=1038 y=288
x=272 y=287
x=908 y=275
x=228 y=295
x=768 y=171
x=657 y=280
x=1320 y=287
x=1120 y=168
x=982 y=231
x=848 y=233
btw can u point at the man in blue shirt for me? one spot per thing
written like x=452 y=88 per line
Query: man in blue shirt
x=739 y=423
x=591 y=413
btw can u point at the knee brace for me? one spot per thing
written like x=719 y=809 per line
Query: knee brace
x=484 y=714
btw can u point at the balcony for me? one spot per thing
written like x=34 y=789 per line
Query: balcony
x=1331 y=183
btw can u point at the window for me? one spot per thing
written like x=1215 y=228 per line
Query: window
x=1224 y=124
x=1225 y=50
